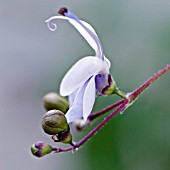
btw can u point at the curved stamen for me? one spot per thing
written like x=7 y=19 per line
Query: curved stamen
x=50 y=22
x=50 y=27
x=72 y=18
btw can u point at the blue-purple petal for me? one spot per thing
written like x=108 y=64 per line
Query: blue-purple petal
x=101 y=81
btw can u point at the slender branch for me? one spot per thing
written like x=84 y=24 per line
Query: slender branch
x=136 y=93
x=122 y=105
x=132 y=96
x=57 y=150
x=99 y=113
x=86 y=138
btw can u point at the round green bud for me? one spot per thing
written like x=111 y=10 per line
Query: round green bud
x=40 y=149
x=54 y=121
x=55 y=101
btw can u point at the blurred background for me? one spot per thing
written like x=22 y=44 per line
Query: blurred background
x=136 y=38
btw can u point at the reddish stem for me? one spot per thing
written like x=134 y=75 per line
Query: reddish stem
x=122 y=105
x=80 y=143
x=132 y=95
x=136 y=93
x=99 y=113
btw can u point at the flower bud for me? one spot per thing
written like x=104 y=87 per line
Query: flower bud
x=40 y=149
x=54 y=121
x=55 y=101
x=105 y=84
x=81 y=125
x=64 y=137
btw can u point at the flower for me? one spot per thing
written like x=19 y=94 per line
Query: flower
x=86 y=76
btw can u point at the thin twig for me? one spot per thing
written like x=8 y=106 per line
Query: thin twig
x=132 y=96
x=86 y=138
x=122 y=105
x=101 y=112
x=136 y=93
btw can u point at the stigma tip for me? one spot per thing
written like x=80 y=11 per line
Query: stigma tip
x=62 y=11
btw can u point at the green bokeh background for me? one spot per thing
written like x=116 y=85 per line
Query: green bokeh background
x=136 y=38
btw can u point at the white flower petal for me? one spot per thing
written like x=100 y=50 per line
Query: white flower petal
x=76 y=110
x=80 y=72
x=78 y=100
x=89 y=98
x=71 y=98
x=74 y=113
x=107 y=62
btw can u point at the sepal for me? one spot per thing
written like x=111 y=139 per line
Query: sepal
x=105 y=84
x=81 y=125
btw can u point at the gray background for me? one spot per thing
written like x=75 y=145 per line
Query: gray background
x=136 y=38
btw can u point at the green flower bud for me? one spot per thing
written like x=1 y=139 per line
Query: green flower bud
x=64 y=137
x=54 y=121
x=40 y=149
x=53 y=101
